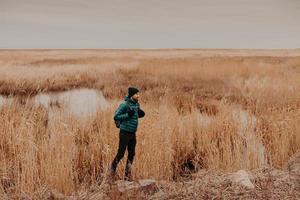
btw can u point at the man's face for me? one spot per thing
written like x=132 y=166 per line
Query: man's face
x=136 y=96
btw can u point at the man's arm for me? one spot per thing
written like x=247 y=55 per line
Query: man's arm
x=121 y=113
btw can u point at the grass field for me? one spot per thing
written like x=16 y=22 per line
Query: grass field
x=220 y=110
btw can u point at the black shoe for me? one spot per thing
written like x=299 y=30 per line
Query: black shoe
x=128 y=176
x=112 y=175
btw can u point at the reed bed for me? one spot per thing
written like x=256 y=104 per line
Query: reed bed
x=214 y=112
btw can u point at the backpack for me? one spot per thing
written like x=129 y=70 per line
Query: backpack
x=118 y=123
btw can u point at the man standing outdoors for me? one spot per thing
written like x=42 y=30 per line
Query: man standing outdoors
x=127 y=116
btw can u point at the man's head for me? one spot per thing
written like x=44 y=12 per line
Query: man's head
x=133 y=93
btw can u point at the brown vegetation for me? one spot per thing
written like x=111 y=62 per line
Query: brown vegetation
x=217 y=110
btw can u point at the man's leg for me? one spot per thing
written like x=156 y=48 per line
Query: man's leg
x=123 y=141
x=131 y=154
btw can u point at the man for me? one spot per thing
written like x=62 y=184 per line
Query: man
x=127 y=114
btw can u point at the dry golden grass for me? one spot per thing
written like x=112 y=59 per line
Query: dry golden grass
x=218 y=110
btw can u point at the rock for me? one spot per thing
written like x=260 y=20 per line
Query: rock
x=242 y=178
x=126 y=185
x=55 y=195
x=148 y=186
x=158 y=195
x=293 y=165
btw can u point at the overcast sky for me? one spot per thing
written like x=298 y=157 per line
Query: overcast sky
x=150 y=24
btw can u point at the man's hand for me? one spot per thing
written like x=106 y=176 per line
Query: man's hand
x=141 y=113
x=130 y=112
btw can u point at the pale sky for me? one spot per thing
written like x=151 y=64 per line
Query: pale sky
x=150 y=24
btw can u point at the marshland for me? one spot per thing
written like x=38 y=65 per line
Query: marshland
x=213 y=110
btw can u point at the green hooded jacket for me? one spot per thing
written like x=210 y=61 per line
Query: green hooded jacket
x=129 y=124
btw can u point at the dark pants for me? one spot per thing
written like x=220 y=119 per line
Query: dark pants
x=126 y=140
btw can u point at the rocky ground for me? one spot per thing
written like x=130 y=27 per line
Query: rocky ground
x=264 y=183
